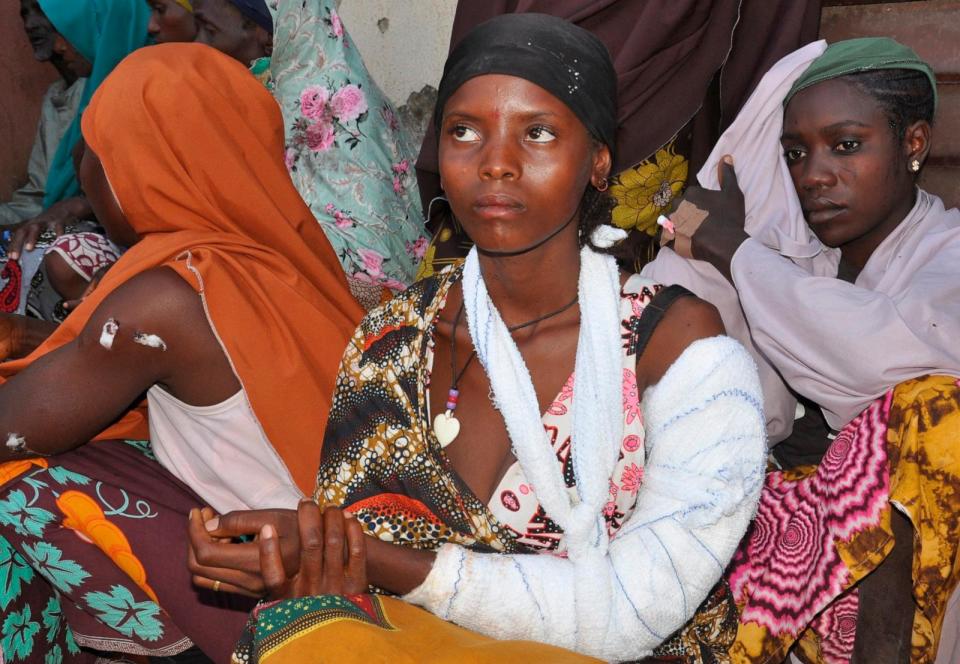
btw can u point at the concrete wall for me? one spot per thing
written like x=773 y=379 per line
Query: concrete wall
x=404 y=42
x=22 y=83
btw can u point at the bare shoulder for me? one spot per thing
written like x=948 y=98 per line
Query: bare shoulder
x=157 y=301
x=153 y=291
x=141 y=334
x=151 y=330
x=689 y=319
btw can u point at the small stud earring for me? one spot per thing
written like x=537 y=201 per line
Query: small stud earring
x=915 y=165
x=603 y=185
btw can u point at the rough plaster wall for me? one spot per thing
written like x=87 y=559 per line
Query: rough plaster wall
x=22 y=83
x=404 y=45
x=404 y=42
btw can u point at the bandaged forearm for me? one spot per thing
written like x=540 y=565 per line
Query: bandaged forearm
x=704 y=469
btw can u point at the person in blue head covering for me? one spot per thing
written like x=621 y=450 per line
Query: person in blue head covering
x=57 y=110
x=243 y=29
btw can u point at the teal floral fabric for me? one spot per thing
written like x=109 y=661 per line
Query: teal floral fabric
x=345 y=148
x=92 y=544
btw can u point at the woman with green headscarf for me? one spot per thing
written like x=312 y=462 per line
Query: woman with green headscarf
x=93 y=37
x=842 y=277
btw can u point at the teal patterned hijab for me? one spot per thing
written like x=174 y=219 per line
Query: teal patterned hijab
x=104 y=32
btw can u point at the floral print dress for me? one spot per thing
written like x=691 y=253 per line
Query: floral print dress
x=347 y=153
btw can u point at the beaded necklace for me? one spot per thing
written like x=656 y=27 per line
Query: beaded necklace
x=446 y=427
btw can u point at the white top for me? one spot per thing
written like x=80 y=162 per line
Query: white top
x=220 y=452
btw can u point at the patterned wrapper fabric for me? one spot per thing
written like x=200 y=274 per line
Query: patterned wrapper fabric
x=385 y=464
x=86 y=561
x=821 y=530
x=389 y=629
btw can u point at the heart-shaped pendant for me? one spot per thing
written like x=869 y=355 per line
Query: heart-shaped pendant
x=446 y=428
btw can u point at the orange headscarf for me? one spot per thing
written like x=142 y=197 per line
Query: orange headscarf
x=193 y=147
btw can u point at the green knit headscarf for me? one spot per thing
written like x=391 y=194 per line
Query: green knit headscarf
x=858 y=55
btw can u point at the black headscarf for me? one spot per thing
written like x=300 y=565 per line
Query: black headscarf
x=563 y=59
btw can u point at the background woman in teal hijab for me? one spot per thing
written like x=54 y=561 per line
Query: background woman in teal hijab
x=94 y=35
x=104 y=32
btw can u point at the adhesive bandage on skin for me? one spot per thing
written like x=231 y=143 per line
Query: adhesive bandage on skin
x=150 y=340
x=688 y=218
x=109 y=333
x=16 y=443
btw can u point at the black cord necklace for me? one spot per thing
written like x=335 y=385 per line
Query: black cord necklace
x=446 y=427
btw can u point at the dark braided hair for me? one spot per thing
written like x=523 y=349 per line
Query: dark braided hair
x=596 y=209
x=904 y=95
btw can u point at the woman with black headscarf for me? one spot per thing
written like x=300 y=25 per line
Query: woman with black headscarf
x=684 y=68
x=488 y=414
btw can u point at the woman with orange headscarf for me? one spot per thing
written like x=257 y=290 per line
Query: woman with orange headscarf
x=184 y=164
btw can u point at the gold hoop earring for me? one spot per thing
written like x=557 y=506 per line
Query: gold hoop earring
x=915 y=165
x=603 y=185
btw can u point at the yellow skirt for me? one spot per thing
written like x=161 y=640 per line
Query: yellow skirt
x=375 y=628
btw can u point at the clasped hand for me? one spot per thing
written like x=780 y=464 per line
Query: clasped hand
x=293 y=553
